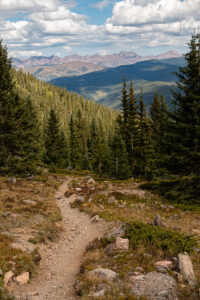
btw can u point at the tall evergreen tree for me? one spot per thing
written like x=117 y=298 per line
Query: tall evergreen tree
x=19 y=131
x=74 y=145
x=160 y=123
x=120 y=162
x=187 y=113
x=125 y=102
x=132 y=129
x=146 y=156
x=52 y=140
x=63 y=151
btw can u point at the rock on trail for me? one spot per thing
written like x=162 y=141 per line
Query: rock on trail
x=61 y=261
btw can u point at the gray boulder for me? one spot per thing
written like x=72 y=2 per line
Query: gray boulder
x=186 y=269
x=155 y=286
x=104 y=273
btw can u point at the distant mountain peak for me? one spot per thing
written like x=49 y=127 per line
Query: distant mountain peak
x=108 y=60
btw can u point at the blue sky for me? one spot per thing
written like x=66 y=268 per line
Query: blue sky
x=63 y=27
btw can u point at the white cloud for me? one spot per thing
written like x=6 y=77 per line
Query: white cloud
x=25 y=53
x=67 y=48
x=155 y=23
x=137 y=12
x=24 y=5
x=102 y=4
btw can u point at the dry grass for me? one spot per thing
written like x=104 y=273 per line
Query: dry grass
x=25 y=222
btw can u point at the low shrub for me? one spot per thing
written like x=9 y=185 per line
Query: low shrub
x=156 y=237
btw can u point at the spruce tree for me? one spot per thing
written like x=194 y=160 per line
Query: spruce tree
x=120 y=164
x=186 y=116
x=19 y=130
x=146 y=161
x=52 y=140
x=160 y=124
x=132 y=129
x=63 y=151
x=125 y=102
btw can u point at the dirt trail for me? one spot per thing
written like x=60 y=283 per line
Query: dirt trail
x=61 y=263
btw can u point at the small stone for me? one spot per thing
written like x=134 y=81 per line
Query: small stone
x=101 y=293
x=78 y=189
x=91 y=181
x=164 y=263
x=8 y=276
x=186 y=269
x=121 y=244
x=104 y=273
x=23 y=278
x=12 y=180
x=157 y=220
x=30 y=202
x=58 y=225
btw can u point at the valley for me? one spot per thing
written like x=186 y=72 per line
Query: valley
x=105 y=86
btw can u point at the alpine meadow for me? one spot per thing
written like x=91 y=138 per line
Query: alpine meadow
x=98 y=203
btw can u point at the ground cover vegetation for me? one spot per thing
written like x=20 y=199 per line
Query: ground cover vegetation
x=130 y=212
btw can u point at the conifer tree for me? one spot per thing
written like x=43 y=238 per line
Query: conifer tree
x=120 y=163
x=125 y=102
x=132 y=129
x=19 y=131
x=146 y=156
x=63 y=151
x=74 y=144
x=52 y=140
x=186 y=156
x=160 y=123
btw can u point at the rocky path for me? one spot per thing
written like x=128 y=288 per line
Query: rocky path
x=61 y=262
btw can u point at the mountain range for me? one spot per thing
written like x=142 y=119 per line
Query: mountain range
x=110 y=60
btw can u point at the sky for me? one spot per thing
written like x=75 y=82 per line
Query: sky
x=64 y=27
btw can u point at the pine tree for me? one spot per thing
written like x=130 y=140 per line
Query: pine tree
x=160 y=124
x=120 y=165
x=186 y=156
x=132 y=129
x=19 y=131
x=146 y=156
x=63 y=151
x=52 y=140
x=125 y=102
